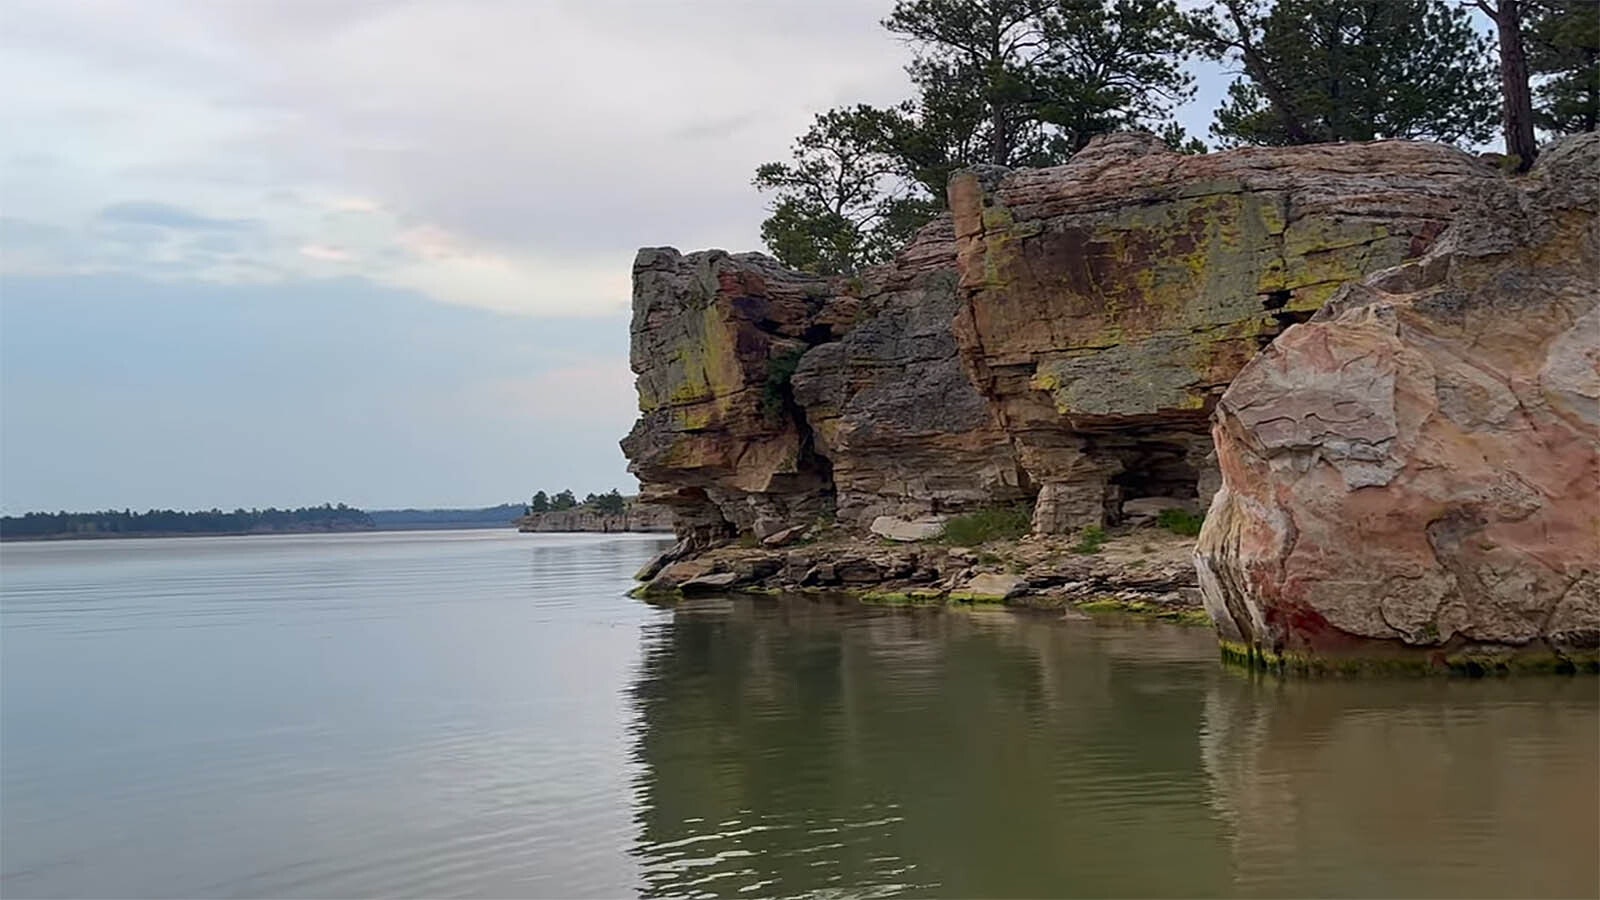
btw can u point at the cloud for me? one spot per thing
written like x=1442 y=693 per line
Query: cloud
x=296 y=392
x=589 y=391
x=325 y=253
x=474 y=151
x=511 y=285
x=165 y=215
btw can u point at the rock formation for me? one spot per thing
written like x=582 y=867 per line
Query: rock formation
x=715 y=339
x=1062 y=338
x=1411 y=464
x=1110 y=301
x=1416 y=471
x=635 y=516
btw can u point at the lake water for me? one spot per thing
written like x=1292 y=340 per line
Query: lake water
x=485 y=714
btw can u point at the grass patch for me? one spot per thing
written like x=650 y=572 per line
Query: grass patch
x=1091 y=540
x=1180 y=521
x=997 y=523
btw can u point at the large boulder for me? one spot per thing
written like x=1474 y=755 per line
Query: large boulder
x=1414 y=475
x=907 y=531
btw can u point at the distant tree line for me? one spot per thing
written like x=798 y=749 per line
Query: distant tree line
x=327 y=517
x=413 y=519
x=611 y=503
x=1030 y=82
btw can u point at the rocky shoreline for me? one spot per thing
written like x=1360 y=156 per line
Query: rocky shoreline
x=1147 y=572
x=636 y=517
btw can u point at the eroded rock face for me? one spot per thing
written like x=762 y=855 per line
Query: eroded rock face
x=715 y=338
x=893 y=408
x=1061 y=340
x=1416 y=471
x=1107 y=303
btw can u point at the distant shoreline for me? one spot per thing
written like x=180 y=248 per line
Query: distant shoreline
x=164 y=535
x=121 y=535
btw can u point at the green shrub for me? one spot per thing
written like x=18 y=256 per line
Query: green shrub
x=998 y=523
x=780 y=369
x=1090 y=540
x=1180 y=521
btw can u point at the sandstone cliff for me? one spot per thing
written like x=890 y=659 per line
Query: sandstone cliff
x=1063 y=338
x=1416 y=472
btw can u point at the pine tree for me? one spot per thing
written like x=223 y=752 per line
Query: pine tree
x=1348 y=70
x=1563 y=45
x=838 y=205
x=1010 y=82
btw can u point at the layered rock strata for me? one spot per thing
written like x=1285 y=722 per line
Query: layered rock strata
x=1109 y=302
x=1060 y=340
x=1415 y=473
x=720 y=440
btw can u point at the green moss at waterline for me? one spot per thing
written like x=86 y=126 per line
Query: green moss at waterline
x=969 y=597
x=1145 y=610
x=899 y=598
x=1471 y=664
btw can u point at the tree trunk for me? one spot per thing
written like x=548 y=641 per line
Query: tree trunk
x=998 y=150
x=1516 y=98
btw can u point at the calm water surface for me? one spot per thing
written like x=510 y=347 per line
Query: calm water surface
x=485 y=714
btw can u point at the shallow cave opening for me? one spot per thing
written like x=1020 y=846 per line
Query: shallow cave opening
x=1153 y=469
x=817 y=334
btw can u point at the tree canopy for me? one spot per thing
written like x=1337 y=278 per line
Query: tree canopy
x=1563 y=45
x=327 y=517
x=1030 y=82
x=1348 y=70
x=1009 y=82
x=611 y=503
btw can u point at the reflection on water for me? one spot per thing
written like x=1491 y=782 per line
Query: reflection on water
x=814 y=749
x=1407 y=788
x=483 y=714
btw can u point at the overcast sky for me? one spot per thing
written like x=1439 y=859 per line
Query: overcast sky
x=372 y=251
